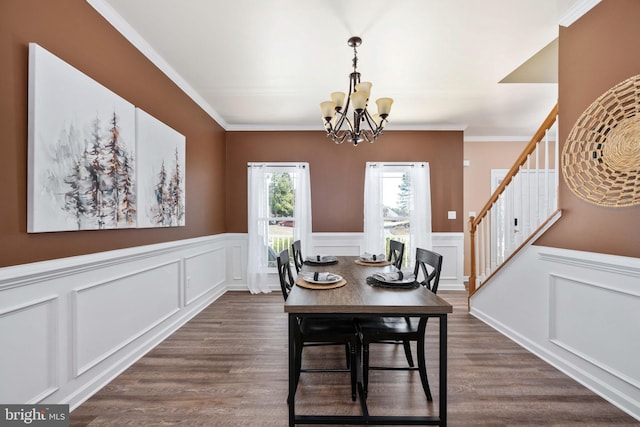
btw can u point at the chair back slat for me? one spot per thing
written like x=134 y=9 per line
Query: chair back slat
x=425 y=260
x=296 y=250
x=396 y=252
x=284 y=273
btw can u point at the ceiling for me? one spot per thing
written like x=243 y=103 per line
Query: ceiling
x=266 y=65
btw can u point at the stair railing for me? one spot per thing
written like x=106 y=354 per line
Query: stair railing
x=525 y=199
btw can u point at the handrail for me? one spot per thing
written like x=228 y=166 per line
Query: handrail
x=533 y=235
x=521 y=160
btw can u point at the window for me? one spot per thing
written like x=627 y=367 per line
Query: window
x=398 y=207
x=279 y=212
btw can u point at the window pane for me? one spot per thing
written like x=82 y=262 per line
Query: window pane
x=280 y=238
x=281 y=206
x=281 y=195
x=396 y=193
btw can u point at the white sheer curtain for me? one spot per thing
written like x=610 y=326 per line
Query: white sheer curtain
x=302 y=210
x=258 y=211
x=258 y=178
x=373 y=213
x=420 y=208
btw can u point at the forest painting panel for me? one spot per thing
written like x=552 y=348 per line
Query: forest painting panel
x=82 y=155
x=161 y=173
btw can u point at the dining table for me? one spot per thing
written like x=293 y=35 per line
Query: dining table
x=358 y=299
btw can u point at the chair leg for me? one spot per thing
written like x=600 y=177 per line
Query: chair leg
x=365 y=368
x=298 y=364
x=354 y=370
x=407 y=351
x=347 y=352
x=422 y=368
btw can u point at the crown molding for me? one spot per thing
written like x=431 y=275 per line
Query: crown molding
x=128 y=32
x=516 y=138
x=576 y=11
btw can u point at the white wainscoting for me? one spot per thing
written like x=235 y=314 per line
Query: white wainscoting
x=71 y=325
x=579 y=311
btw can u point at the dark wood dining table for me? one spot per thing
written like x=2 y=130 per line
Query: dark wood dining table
x=358 y=299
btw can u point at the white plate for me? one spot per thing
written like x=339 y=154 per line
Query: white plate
x=322 y=282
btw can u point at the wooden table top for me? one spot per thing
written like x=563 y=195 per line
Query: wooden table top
x=357 y=297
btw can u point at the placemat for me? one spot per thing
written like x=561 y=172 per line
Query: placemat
x=372 y=264
x=304 y=284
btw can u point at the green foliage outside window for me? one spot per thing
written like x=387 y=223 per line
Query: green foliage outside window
x=281 y=195
x=404 y=194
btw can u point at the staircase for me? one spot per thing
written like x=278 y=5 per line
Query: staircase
x=523 y=206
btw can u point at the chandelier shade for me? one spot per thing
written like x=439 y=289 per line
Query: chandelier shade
x=362 y=126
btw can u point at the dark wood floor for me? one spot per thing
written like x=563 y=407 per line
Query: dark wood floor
x=228 y=367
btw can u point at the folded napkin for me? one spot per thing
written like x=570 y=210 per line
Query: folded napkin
x=320 y=258
x=320 y=277
x=394 y=277
x=372 y=257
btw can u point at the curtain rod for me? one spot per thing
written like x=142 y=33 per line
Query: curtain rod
x=284 y=165
x=375 y=165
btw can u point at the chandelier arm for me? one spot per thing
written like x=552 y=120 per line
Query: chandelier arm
x=343 y=117
x=337 y=135
x=370 y=122
x=368 y=136
x=341 y=137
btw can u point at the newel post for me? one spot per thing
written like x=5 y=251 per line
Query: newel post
x=472 y=254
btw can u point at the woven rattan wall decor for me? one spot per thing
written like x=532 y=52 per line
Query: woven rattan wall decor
x=601 y=157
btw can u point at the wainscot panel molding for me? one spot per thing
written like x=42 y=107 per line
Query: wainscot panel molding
x=27 y=334
x=97 y=333
x=451 y=247
x=69 y=326
x=579 y=311
x=236 y=262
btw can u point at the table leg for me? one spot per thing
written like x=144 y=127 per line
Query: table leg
x=292 y=372
x=443 y=370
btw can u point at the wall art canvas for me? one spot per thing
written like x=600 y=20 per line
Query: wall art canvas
x=81 y=173
x=161 y=173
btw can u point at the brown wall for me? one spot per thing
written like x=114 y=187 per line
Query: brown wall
x=597 y=52
x=337 y=173
x=76 y=33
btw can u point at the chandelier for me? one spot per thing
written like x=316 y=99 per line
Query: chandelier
x=363 y=126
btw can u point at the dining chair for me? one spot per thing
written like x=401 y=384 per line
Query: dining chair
x=396 y=252
x=296 y=251
x=428 y=265
x=319 y=331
